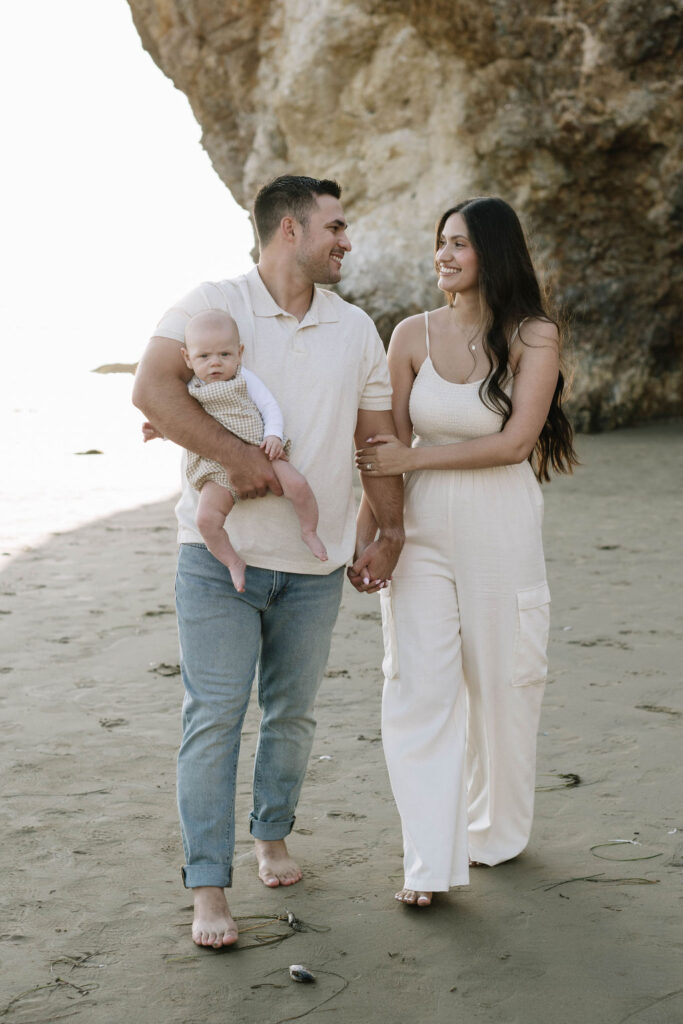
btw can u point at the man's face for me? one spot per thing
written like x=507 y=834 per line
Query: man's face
x=322 y=242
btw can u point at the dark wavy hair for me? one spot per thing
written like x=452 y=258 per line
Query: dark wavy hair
x=511 y=293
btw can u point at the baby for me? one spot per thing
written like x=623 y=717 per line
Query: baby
x=240 y=401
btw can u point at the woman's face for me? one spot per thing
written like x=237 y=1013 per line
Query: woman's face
x=456 y=261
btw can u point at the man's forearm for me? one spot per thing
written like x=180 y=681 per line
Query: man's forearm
x=385 y=497
x=384 y=494
x=181 y=418
x=366 y=524
x=376 y=558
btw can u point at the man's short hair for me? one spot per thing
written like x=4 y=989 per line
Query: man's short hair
x=289 y=195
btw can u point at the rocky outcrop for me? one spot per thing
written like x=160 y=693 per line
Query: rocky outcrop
x=116 y=368
x=569 y=109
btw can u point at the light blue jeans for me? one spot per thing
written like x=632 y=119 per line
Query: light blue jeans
x=283 y=624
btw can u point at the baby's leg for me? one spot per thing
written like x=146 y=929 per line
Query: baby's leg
x=215 y=502
x=297 y=489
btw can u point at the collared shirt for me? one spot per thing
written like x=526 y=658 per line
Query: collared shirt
x=321 y=371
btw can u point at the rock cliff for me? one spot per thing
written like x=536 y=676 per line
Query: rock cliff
x=569 y=109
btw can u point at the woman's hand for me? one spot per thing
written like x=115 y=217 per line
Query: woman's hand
x=384 y=455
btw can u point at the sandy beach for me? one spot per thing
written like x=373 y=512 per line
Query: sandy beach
x=581 y=929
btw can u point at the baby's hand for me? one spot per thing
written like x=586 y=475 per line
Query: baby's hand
x=273 y=446
x=149 y=432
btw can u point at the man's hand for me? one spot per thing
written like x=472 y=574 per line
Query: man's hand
x=374 y=564
x=253 y=477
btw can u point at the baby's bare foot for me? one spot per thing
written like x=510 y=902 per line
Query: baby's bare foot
x=313 y=541
x=275 y=866
x=238 y=569
x=415 y=897
x=213 y=923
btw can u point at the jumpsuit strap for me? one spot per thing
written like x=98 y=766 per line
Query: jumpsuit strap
x=427 y=332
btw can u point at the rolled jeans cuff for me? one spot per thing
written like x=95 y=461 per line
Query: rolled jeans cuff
x=270 y=829
x=219 y=875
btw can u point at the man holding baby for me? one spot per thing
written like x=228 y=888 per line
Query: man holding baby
x=322 y=359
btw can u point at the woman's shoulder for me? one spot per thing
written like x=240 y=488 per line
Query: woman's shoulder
x=408 y=334
x=536 y=331
x=413 y=330
x=411 y=324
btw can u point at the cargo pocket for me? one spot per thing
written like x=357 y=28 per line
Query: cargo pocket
x=390 y=660
x=530 y=662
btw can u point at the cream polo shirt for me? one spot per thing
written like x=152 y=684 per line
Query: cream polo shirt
x=321 y=371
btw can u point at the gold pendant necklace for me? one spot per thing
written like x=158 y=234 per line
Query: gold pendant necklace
x=469 y=341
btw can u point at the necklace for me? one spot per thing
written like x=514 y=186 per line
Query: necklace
x=469 y=341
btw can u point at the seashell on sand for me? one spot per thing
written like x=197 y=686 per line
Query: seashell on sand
x=298 y=972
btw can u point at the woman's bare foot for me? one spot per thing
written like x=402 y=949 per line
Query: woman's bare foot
x=213 y=923
x=415 y=897
x=478 y=864
x=275 y=866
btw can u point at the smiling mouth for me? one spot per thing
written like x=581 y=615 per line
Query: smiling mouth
x=444 y=271
x=337 y=258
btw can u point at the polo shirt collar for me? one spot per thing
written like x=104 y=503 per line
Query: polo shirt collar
x=321 y=311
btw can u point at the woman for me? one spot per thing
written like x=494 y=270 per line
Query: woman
x=477 y=384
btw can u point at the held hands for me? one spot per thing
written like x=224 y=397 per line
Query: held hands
x=273 y=447
x=373 y=565
x=384 y=455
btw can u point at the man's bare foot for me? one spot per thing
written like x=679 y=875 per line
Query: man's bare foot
x=415 y=897
x=213 y=923
x=275 y=866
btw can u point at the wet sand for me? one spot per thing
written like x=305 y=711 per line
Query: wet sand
x=95 y=922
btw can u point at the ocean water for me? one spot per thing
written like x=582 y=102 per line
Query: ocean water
x=48 y=486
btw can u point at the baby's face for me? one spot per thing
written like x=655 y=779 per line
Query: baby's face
x=213 y=353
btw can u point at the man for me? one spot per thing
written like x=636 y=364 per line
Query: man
x=324 y=362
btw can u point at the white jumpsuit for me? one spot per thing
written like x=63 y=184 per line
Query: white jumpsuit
x=465 y=623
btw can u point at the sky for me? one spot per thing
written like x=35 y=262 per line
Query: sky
x=109 y=212
x=110 y=207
